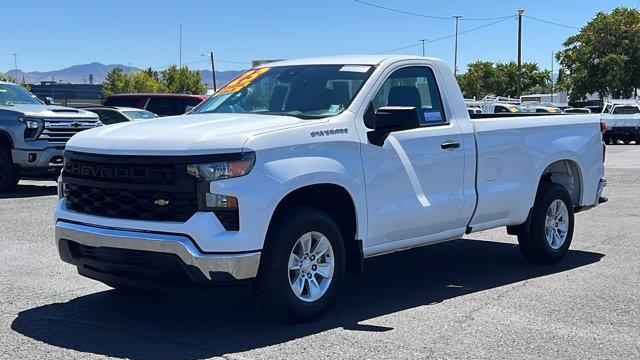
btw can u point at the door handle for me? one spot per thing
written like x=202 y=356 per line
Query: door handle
x=450 y=144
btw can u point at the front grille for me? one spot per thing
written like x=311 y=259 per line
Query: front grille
x=139 y=188
x=131 y=204
x=61 y=130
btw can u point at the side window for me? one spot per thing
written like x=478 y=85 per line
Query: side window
x=105 y=116
x=413 y=86
x=164 y=106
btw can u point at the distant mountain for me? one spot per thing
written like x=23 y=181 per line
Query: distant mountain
x=79 y=74
x=76 y=74
x=222 y=77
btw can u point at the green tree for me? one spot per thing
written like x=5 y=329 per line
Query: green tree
x=8 y=78
x=478 y=80
x=604 y=57
x=488 y=78
x=182 y=80
x=143 y=82
x=115 y=82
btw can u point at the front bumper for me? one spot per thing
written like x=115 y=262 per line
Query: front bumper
x=47 y=160
x=200 y=266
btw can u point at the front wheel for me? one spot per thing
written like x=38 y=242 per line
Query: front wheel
x=8 y=176
x=302 y=266
x=551 y=226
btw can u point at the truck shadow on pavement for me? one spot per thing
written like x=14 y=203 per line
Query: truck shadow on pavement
x=154 y=326
x=27 y=191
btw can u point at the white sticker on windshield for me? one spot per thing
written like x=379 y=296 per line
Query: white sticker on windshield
x=356 y=68
x=334 y=109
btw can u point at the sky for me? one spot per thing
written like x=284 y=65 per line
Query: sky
x=50 y=35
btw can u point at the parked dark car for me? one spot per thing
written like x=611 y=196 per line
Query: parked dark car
x=160 y=104
x=116 y=114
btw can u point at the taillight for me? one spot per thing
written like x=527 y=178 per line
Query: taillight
x=603 y=126
x=604 y=151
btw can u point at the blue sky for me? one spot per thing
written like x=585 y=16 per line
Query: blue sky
x=50 y=35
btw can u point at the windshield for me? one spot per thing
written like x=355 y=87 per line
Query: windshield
x=139 y=114
x=304 y=91
x=14 y=94
x=626 y=110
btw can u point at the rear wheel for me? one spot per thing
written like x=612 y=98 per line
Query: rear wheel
x=8 y=176
x=551 y=226
x=302 y=267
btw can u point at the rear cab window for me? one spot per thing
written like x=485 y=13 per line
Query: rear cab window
x=136 y=101
x=164 y=106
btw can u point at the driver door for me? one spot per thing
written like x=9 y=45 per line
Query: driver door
x=415 y=180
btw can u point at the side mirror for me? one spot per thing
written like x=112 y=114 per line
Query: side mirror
x=48 y=100
x=389 y=119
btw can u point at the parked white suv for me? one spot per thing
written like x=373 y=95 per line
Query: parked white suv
x=295 y=172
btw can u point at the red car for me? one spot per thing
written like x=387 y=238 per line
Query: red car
x=160 y=104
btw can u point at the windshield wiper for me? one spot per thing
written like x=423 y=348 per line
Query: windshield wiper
x=297 y=114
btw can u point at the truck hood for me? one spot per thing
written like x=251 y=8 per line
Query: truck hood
x=47 y=111
x=182 y=135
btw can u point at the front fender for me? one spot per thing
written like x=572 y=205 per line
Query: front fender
x=336 y=163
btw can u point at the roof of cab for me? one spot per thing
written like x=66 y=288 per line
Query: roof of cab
x=341 y=60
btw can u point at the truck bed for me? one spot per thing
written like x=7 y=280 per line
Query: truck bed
x=513 y=153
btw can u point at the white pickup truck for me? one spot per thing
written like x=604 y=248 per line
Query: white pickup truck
x=295 y=172
x=622 y=118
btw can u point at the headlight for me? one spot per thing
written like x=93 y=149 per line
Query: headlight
x=223 y=169
x=31 y=123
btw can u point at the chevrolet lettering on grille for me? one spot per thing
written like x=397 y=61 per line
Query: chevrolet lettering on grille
x=106 y=171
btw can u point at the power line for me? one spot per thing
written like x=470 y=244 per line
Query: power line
x=445 y=37
x=551 y=22
x=400 y=48
x=425 y=15
x=470 y=30
x=402 y=11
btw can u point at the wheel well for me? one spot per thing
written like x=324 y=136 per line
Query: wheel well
x=567 y=174
x=338 y=204
x=5 y=142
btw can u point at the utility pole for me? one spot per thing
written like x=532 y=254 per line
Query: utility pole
x=552 y=59
x=520 y=12
x=455 y=56
x=213 y=73
x=180 y=47
x=423 y=48
x=15 y=67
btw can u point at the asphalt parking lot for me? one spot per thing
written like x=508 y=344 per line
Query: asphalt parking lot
x=471 y=298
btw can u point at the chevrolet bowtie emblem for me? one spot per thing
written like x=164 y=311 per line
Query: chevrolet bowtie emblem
x=161 y=202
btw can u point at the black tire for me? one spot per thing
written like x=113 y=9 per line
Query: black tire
x=8 y=175
x=272 y=288
x=535 y=246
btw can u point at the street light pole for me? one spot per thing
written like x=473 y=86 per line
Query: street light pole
x=552 y=59
x=213 y=73
x=15 y=67
x=423 y=48
x=520 y=12
x=455 y=56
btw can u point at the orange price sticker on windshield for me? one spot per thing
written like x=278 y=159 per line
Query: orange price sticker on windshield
x=242 y=81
